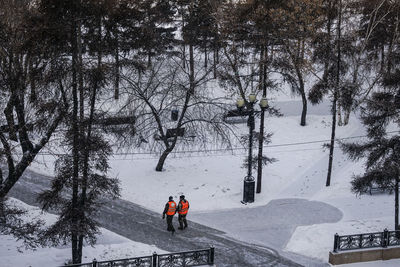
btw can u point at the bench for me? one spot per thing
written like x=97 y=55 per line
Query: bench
x=374 y=189
x=236 y=116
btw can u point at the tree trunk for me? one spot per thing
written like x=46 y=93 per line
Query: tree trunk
x=303 y=96
x=389 y=57
x=260 y=153
x=215 y=57
x=339 y=112
x=217 y=54
x=116 y=81
x=183 y=44
x=85 y=171
x=263 y=79
x=304 y=110
x=163 y=157
x=26 y=144
x=261 y=73
x=191 y=69
x=215 y=64
x=332 y=144
x=2 y=215
x=8 y=112
x=2 y=212
x=396 y=205
x=346 y=116
x=382 y=58
x=149 y=59
x=32 y=74
x=80 y=81
x=205 y=57
x=15 y=172
x=81 y=129
x=334 y=102
x=75 y=149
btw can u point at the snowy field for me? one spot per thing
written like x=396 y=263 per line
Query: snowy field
x=212 y=182
x=109 y=246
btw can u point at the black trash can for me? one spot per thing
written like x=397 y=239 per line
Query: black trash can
x=248 y=191
x=174 y=114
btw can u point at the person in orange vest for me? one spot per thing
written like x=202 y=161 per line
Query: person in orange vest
x=170 y=210
x=183 y=208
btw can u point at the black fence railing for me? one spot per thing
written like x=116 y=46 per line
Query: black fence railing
x=178 y=259
x=367 y=240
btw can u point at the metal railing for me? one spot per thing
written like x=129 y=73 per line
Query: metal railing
x=367 y=240
x=178 y=259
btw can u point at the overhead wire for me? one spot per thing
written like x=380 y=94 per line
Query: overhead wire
x=208 y=152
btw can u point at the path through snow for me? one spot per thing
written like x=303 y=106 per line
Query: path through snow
x=141 y=225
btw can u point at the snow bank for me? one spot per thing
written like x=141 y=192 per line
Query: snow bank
x=109 y=246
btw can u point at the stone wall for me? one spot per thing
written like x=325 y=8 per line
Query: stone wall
x=363 y=255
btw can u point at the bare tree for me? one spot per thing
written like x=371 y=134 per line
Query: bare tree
x=26 y=127
x=295 y=25
x=363 y=71
x=173 y=106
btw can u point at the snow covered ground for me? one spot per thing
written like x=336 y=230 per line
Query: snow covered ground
x=109 y=246
x=213 y=183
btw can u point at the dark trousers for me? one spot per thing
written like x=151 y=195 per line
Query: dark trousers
x=170 y=227
x=182 y=220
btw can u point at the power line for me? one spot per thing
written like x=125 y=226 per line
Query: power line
x=244 y=148
x=228 y=149
x=214 y=155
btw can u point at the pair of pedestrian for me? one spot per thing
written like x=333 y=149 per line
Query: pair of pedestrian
x=171 y=208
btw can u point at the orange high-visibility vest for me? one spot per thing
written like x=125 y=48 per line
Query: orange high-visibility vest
x=184 y=208
x=171 y=208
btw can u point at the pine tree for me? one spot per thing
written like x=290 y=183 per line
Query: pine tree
x=81 y=181
x=382 y=149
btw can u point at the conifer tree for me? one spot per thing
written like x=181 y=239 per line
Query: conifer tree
x=382 y=149
x=81 y=180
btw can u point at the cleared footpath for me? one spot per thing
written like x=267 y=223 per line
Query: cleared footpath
x=141 y=225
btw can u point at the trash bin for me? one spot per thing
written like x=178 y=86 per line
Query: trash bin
x=248 y=191
x=174 y=114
